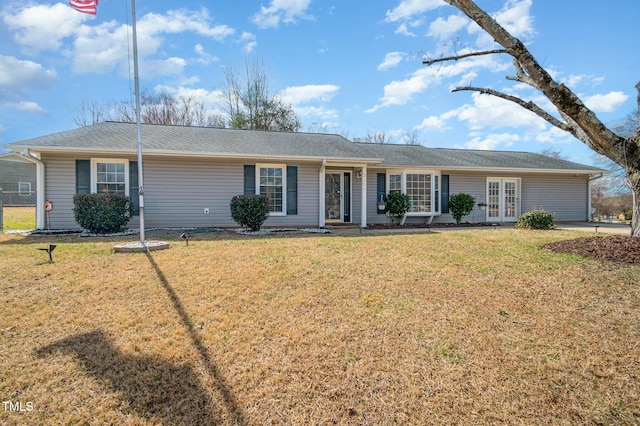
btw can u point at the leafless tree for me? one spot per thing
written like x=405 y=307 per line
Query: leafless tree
x=617 y=176
x=553 y=153
x=154 y=109
x=249 y=104
x=576 y=118
x=89 y=112
x=377 y=137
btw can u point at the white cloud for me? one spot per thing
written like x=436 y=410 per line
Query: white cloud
x=18 y=74
x=104 y=47
x=286 y=11
x=439 y=122
x=17 y=78
x=490 y=111
x=212 y=100
x=179 y=21
x=445 y=28
x=554 y=135
x=249 y=41
x=300 y=96
x=391 y=59
x=203 y=56
x=403 y=29
x=28 y=106
x=43 y=27
x=492 y=141
x=399 y=92
x=515 y=17
x=296 y=95
x=407 y=9
x=605 y=103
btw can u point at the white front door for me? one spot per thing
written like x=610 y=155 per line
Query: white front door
x=503 y=199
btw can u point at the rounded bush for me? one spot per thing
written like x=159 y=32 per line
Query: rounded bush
x=397 y=203
x=461 y=205
x=250 y=211
x=536 y=219
x=102 y=213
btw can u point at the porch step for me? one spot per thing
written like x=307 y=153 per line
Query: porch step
x=341 y=226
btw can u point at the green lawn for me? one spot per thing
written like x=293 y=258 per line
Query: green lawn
x=18 y=218
x=452 y=327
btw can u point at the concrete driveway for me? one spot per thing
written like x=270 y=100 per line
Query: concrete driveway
x=599 y=227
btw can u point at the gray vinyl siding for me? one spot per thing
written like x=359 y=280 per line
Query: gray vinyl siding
x=566 y=196
x=470 y=183
x=178 y=190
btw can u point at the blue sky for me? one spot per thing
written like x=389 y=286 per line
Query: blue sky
x=349 y=67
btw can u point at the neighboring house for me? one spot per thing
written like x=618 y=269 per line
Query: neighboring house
x=17 y=180
x=191 y=174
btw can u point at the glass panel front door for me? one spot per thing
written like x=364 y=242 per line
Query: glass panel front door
x=333 y=197
x=503 y=202
x=510 y=200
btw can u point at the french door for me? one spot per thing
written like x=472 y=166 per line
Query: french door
x=503 y=199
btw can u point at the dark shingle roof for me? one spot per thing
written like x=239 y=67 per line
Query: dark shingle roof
x=416 y=155
x=121 y=137
x=206 y=141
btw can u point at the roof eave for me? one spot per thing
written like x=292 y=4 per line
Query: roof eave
x=166 y=153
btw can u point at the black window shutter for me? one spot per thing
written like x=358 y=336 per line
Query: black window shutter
x=133 y=187
x=292 y=189
x=83 y=176
x=444 y=193
x=382 y=190
x=249 y=179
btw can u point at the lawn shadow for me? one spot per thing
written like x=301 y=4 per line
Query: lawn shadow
x=157 y=390
x=230 y=404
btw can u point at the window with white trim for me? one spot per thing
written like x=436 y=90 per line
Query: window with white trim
x=24 y=188
x=395 y=183
x=419 y=192
x=271 y=182
x=110 y=176
x=422 y=187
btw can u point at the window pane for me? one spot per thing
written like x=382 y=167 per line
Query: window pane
x=110 y=177
x=419 y=192
x=395 y=183
x=271 y=186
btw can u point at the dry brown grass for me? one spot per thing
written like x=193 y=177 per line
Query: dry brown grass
x=466 y=327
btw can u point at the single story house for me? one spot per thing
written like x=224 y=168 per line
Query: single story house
x=311 y=179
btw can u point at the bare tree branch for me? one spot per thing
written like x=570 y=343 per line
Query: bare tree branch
x=463 y=56
x=528 y=105
x=521 y=75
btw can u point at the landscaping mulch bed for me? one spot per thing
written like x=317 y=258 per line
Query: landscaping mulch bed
x=616 y=248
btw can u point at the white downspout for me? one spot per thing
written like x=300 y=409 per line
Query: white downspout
x=363 y=208
x=321 y=186
x=591 y=179
x=40 y=195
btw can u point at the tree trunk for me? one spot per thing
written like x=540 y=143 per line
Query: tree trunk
x=633 y=180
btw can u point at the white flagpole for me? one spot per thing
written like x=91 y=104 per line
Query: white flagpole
x=138 y=120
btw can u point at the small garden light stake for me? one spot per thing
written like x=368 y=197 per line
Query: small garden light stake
x=49 y=250
x=186 y=237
